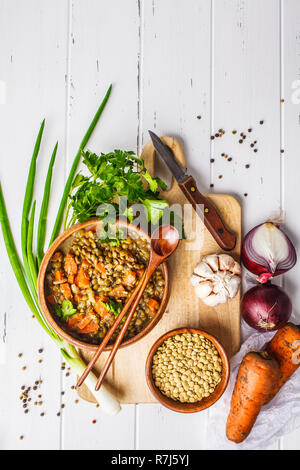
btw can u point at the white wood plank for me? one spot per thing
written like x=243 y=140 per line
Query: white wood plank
x=159 y=428
x=175 y=89
x=290 y=158
x=32 y=64
x=246 y=63
x=246 y=90
x=104 y=48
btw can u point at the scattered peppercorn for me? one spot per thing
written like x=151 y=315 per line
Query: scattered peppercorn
x=94 y=421
x=261 y=122
x=212 y=137
x=255 y=150
x=24 y=368
x=234 y=132
x=241 y=141
x=250 y=130
x=20 y=355
x=198 y=117
x=245 y=194
x=40 y=351
x=282 y=100
x=211 y=185
x=217 y=135
x=42 y=414
x=58 y=414
x=212 y=160
x=229 y=159
x=21 y=438
x=247 y=166
x=281 y=151
x=220 y=177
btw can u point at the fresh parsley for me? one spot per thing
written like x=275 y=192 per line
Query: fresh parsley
x=113 y=307
x=66 y=310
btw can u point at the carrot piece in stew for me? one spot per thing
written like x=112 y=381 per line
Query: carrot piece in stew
x=91 y=328
x=100 y=307
x=257 y=375
x=59 y=276
x=153 y=304
x=118 y=291
x=129 y=278
x=283 y=348
x=139 y=273
x=72 y=321
x=82 y=279
x=84 y=322
x=70 y=264
x=100 y=266
x=66 y=290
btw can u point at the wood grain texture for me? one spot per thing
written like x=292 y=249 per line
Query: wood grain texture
x=184 y=309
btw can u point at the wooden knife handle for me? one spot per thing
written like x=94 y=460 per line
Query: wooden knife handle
x=225 y=239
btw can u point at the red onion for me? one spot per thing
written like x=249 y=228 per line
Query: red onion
x=267 y=251
x=266 y=307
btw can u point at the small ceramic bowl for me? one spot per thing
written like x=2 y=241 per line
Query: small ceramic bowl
x=41 y=287
x=177 y=405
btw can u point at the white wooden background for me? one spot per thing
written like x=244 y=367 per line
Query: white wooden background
x=230 y=61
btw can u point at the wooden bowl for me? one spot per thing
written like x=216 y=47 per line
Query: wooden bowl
x=177 y=405
x=41 y=288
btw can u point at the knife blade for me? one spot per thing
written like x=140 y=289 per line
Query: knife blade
x=203 y=207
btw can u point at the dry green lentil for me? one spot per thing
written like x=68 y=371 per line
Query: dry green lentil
x=187 y=380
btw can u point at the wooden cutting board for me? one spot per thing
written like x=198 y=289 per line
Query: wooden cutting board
x=126 y=378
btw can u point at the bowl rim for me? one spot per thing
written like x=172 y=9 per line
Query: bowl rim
x=41 y=288
x=177 y=405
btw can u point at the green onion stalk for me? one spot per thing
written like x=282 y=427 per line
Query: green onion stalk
x=26 y=273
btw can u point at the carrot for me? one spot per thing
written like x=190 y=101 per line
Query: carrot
x=66 y=290
x=72 y=321
x=59 y=276
x=91 y=328
x=77 y=298
x=256 y=377
x=71 y=278
x=139 y=273
x=153 y=304
x=70 y=264
x=84 y=322
x=85 y=263
x=100 y=307
x=283 y=347
x=129 y=278
x=118 y=291
x=82 y=279
x=100 y=266
x=51 y=299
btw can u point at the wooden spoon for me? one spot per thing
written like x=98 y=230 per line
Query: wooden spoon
x=164 y=242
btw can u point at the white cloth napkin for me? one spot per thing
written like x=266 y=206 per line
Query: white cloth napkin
x=280 y=417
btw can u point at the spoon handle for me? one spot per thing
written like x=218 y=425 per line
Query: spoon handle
x=150 y=270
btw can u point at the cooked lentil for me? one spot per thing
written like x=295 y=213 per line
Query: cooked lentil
x=187 y=367
x=101 y=273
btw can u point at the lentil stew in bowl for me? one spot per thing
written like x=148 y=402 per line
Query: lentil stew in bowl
x=87 y=281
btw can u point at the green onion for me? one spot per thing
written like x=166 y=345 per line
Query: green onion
x=30 y=256
x=41 y=233
x=27 y=205
x=60 y=214
x=16 y=264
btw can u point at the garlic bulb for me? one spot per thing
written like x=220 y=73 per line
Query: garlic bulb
x=216 y=279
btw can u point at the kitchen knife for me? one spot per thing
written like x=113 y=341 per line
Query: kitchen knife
x=225 y=239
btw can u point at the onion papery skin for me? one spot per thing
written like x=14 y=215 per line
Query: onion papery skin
x=260 y=265
x=266 y=307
